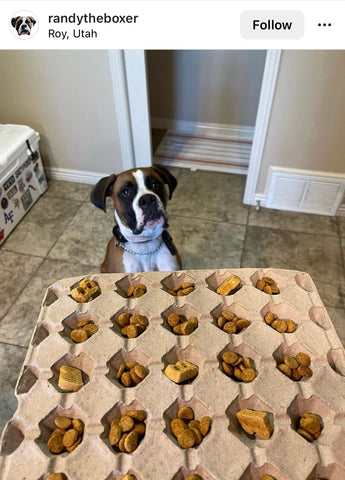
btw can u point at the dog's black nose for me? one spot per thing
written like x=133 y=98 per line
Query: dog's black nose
x=147 y=200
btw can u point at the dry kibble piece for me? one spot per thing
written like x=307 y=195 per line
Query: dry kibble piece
x=260 y=284
x=130 y=291
x=267 y=477
x=187 y=285
x=140 y=428
x=78 y=425
x=139 y=415
x=311 y=425
x=304 y=371
x=268 y=289
x=230 y=327
x=131 y=442
x=248 y=374
x=221 y=321
x=187 y=328
x=275 y=323
x=185 y=413
x=55 y=443
x=123 y=319
x=230 y=357
x=120 y=370
x=282 y=326
x=185 y=291
x=121 y=444
x=177 y=425
x=285 y=369
x=303 y=359
x=126 y=379
x=291 y=326
x=63 y=422
x=134 y=377
x=126 y=423
x=228 y=315
x=197 y=435
x=82 y=323
x=173 y=320
x=186 y=438
x=238 y=373
x=269 y=317
x=115 y=434
x=129 y=477
x=130 y=331
x=242 y=323
x=228 y=369
x=79 y=335
x=194 y=477
x=140 y=371
x=291 y=362
x=139 y=320
x=55 y=476
x=139 y=290
x=305 y=434
x=295 y=375
x=269 y=280
x=90 y=329
x=205 y=425
x=194 y=424
x=248 y=362
x=70 y=437
x=275 y=289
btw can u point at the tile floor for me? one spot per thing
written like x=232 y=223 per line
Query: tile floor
x=64 y=235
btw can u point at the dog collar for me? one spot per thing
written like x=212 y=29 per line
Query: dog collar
x=146 y=254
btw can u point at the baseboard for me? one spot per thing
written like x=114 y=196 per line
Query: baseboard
x=224 y=148
x=77 y=176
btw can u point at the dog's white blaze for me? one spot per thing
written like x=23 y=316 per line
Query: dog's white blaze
x=142 y=190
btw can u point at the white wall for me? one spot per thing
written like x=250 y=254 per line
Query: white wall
x=205 y=86
x=306 y=128
x=67 y=97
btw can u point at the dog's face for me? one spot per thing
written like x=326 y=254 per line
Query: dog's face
x=23 y=25
x=140 y=199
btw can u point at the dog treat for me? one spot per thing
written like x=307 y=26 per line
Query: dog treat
x=70 y=379
x=84 y=291
x=127 y=431
x=189 y=432
x=238 y=367
x=309 y=426
x=131 y=373
x=255 y=422
x=194 y=477
x=267 y=477
x=129 y=477
x=136 y=291
x=184 y=289
x=85 y=329
x=180 y=325
x=132 y=325
x=65 y=437
x=230 y=285
x=230 y=323
x=55 y=476
x=282 y=326
x=181 y=371
x=268 y=285
x=294 y=369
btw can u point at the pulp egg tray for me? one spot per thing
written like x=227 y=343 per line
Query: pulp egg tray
x=227 y=452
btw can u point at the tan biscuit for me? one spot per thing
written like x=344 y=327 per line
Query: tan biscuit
x=70 y=379
x=84 y=291
x=229 y=285
x=254 y=421
x=181 y=371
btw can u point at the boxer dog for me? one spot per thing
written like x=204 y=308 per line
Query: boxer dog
x=141 y=242
x=23 y=25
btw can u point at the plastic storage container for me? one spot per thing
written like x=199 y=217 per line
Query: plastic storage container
x=22 y=177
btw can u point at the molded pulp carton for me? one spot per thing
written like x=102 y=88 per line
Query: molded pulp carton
x=226 y=452
x=22 y=178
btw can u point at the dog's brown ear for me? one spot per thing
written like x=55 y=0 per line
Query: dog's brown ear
x=102 y=190
x=167 y=178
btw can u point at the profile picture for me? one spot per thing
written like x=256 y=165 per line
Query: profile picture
x=24 y=25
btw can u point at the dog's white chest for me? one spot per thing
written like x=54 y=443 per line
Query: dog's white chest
x=157 y=261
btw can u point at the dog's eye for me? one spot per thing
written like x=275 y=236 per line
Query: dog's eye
x=156 y=185
x=126 y=192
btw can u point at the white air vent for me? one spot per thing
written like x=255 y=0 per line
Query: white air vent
x=301 y=192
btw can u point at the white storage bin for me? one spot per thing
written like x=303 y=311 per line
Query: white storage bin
x=22 y=177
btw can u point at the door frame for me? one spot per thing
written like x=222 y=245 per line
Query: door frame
x=131 y=95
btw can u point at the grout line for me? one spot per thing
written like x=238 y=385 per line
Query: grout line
x=13 y=345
